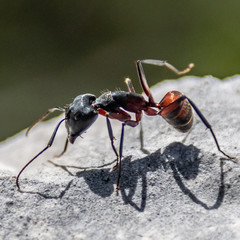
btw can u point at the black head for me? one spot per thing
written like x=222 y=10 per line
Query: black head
x=80 y=115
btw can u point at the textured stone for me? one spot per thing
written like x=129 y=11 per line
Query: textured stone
x=184 y=189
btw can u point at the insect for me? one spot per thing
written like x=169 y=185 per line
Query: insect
x=175 y=108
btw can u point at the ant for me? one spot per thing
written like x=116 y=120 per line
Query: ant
x=175 y=108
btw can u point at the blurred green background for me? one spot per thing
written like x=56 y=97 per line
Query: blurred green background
x=51 y=51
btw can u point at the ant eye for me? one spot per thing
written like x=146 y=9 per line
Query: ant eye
x=76 y=117
x=92 y=99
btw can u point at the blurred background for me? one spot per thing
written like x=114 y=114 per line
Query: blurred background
x=51 y=51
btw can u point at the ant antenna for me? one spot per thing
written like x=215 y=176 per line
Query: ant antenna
x=48 y=146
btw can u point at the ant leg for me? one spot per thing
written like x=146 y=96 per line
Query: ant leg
x=83 y=168
x=48 y=146
x=131 y=89
x=120 y=158
x=131 y=123
x=144 y=84
x=44 y=116
x=141 y=135
x=110 y=133
x=168 y=65
x=64 y=149
x=161 y=63
x=149 y=111
x=129 y=85
x=206 y=123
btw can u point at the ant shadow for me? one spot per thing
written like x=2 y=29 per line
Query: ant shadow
x=48 y=196
x=182 y=160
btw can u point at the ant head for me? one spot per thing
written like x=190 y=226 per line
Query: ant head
x=80 y=115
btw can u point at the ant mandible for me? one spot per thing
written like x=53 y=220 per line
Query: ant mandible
x=175 y=108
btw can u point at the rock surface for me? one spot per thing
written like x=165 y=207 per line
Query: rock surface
x=184 y=189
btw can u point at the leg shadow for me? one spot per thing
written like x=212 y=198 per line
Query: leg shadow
x=182 y=160
x=185 y=165
x=48 y=196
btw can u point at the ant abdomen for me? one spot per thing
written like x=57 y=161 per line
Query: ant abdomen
x=177 y=111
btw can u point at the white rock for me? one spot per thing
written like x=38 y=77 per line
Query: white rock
x=182 y=190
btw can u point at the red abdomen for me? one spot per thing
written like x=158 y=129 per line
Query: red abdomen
x=177 y=111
